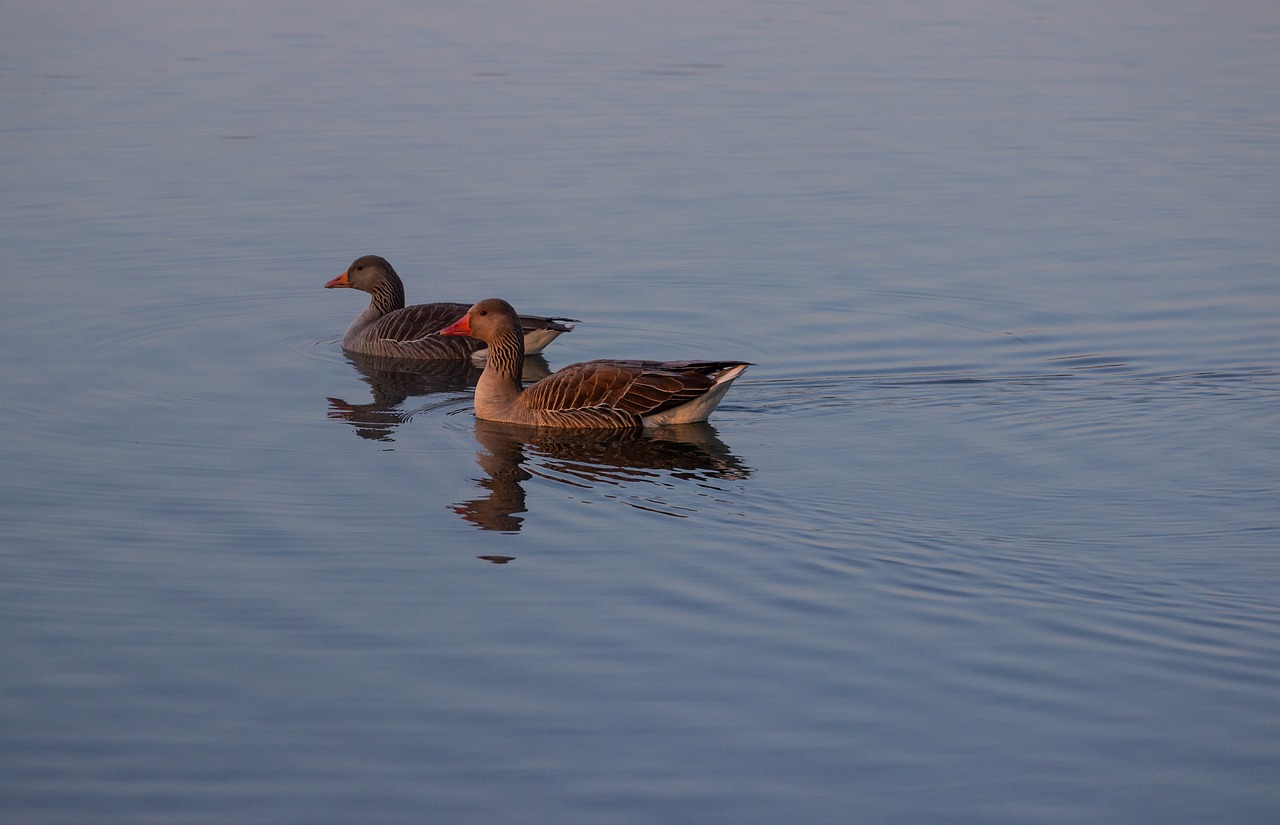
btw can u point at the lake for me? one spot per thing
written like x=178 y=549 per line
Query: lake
x=990 y=533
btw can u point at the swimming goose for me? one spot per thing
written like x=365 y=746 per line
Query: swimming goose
x=390 y=328
x=607 y=393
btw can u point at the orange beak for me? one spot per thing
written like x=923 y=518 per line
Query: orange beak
x=341 y=280
x=462 y=326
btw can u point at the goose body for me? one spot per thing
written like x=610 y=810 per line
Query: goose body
x=391 y=329
x=614 y=394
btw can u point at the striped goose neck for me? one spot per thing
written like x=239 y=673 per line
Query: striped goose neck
x=506 y=354
x=388 y=296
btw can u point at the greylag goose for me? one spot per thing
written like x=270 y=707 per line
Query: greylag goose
x=389 y=328
x=607 y=393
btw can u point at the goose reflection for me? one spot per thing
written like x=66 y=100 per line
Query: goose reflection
x=512 y=455
x=392 y=381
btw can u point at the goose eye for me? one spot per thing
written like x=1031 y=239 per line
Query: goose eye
x=359 y=269
x=484 y=312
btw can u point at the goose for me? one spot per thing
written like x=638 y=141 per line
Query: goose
x=595 y=394
x=389 y=328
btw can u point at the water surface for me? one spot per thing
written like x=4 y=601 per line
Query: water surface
x=988 y=534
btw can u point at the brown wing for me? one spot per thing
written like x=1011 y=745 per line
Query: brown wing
x=590 y=418
x=581 y=386
x=417 y=321
x=532 y=322
x=632 y=388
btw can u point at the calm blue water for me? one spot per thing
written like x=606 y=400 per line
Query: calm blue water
x=990 y=534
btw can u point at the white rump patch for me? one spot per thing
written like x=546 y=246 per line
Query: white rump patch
x=700 y=408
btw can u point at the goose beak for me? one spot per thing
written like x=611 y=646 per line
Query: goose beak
x=341 y=280
x=462 y=326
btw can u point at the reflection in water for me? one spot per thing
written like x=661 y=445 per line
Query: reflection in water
x=393 y=380
x=589 y=459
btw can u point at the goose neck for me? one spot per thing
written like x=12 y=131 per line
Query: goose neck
x=506 y=355
x=388 y=296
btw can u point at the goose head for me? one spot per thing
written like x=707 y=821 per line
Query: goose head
x=367 y=274
x=487 y=320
